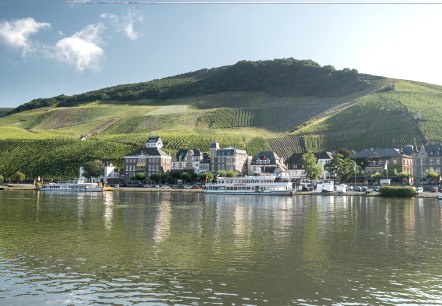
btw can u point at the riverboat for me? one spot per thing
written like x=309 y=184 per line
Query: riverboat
x=72 y=186
x=258 y=185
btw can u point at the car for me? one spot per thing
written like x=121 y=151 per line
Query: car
x=419 y=189
x=357 y=188
x=376 y=188
x=165 y=187
x=434 y=189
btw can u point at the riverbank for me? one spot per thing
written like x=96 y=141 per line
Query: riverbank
x=425 y=194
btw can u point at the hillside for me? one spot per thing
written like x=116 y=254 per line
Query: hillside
x=285 y=105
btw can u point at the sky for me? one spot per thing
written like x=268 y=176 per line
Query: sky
x=53 y=47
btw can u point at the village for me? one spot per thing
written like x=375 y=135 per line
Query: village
x=150 y=166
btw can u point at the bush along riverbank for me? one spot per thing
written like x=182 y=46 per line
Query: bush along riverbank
x=397 y=192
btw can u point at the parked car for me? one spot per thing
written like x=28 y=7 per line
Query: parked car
x=376 y=188
x=434 y=189
x=419 y=189
x=165 y=187
x=357 y=188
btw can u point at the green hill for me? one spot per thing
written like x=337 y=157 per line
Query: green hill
x=285 y=105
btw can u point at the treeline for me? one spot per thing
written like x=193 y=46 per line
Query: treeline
x=279 y=77
x=4 y=111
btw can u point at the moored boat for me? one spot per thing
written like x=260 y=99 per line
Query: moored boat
x=72 y=186
x=258 y=185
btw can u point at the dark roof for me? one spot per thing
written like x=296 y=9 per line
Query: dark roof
x=183 y=152
x=296 y=158
x=148 y=151
x=376 y=153
x=153 y=138
x=272 y=156
x=433 y=149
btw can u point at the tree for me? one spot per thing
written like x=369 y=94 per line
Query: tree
x=206 y=176
x=311 y=167
x=93 y=168
x=19 y=176
x=377 y=176
x=345 y=152
x=343 y=167
x=156 y=177
x=403 y=175
x=186 y=176
x=432 y=174
x=231 y=173
x=140 y=176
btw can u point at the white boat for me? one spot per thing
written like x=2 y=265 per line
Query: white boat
x=72 y=186
x=439 y=194
x=259 y=185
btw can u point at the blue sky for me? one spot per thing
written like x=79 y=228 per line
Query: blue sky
x=52 y=47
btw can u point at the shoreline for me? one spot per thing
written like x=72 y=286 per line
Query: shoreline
x=12 y=187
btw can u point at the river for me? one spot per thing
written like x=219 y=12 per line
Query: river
x=160 y=248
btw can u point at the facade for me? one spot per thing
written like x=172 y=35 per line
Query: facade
x=296 y=168
x=148 y=160
x=268 y=162
x=188 y=160
x=428 y=156
x=388 y=161
x=228 y=159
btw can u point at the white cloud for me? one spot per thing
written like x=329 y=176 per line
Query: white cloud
x=82 y=50
x=126 y=23
x=16 y=33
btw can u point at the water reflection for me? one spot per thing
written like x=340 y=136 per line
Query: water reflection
x=166 y=248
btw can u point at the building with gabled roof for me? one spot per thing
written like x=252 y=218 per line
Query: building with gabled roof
x=227 y=159
x=148 y=160
x=380 y=160
x=188 y=160
x=427 y=156
x=268 y=162
x=296 y=167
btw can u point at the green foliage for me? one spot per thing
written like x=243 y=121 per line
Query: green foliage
x=140 y=176
x=186 y=177
x=397 y=192
x=431 y=173
x=18 y=176
x=311 y=167
x=377 y=176
x=342 y=167
x=57 y=158
x=93 y=168
x=279 y=77
x=2 y=179
x=228 y=173
x=206 y=176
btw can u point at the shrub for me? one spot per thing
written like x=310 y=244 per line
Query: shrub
x=397 y=192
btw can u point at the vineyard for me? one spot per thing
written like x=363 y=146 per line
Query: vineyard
x=44 y=141
x=287 y=146
x=56 y=159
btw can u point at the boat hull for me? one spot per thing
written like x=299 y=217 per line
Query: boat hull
x=269 y=193
x=71 y=187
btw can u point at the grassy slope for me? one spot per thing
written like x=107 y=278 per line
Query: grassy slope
x=41 y=139
x=408 y=114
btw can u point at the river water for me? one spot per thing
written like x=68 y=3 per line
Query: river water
x=152 y=248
